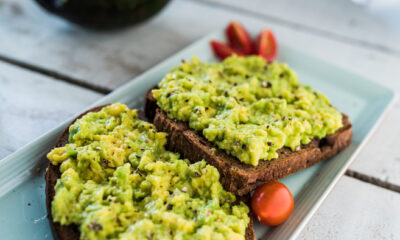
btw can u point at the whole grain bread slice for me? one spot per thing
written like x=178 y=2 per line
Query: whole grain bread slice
x=237 y=177
x=71 y=232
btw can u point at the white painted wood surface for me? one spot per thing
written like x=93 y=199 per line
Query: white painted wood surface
x=341 y=20
x=381 y=155
x=38 y=38
x=356 y=210
x=33 y=103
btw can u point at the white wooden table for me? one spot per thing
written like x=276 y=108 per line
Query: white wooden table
x=50 y=69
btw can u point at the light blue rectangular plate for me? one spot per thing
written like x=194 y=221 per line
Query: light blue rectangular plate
x=22 y=199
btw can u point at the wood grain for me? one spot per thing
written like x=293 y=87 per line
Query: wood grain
x=33 y=104
x=111 y=59
x=356 y=210
x=341 y=20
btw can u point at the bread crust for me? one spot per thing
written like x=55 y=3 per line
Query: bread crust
x=237 y=177
x=71 y=232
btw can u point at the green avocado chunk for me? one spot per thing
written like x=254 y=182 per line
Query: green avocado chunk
x=118 y=182
x=246 y=106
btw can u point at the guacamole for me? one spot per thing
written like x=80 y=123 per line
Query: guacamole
x=118 y=182
x=246 y=106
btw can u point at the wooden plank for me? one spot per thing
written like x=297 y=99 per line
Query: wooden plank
x=33 y=104
x=111 y=59
x=381 y=156
x=342 y=20
x=356 y=210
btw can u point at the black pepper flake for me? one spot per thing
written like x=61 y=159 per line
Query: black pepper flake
x=169 y=207
x=29 y=203
x=269 y=85
x=170 y=192
x=95 y=226
x=226 y=94
x=267 y=126
x=137 y=156
x=105 y=162
x=283 y=118
x=194 y=212
x=197 y=174
x=187 y=100
x=142 y=149
x=280 y=97
x=129 y=147
x=139 y=172
x=241 y=99
x=171 y=232
x=169 y=95
x=281 y=75
x=269 y=143
x=244 y=146
x=206 y=108
x=235 y=84
x=246 y=76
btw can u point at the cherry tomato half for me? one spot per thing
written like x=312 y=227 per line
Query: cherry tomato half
x=222 y=50
x=238 y=38
x=272 y=203
x=266 y=45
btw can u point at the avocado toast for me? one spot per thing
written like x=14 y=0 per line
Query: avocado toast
x=249 y=118
x=90 y=197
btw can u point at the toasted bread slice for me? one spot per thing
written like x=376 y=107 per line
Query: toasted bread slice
x=71 y=232
x=237 y=177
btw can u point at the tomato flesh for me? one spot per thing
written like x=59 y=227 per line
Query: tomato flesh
x=238 y=38
x=272 y=203
x=222 y=50
x=266 y=45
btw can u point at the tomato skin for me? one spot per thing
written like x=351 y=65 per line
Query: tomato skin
x=238 y=38
x=266 y=45
x=222 y=50
x=272 y=203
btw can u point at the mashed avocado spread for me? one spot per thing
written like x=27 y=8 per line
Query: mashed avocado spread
x=118 y=182
x=247 y=106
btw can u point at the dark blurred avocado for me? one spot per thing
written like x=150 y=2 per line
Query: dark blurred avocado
x=104 y=14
